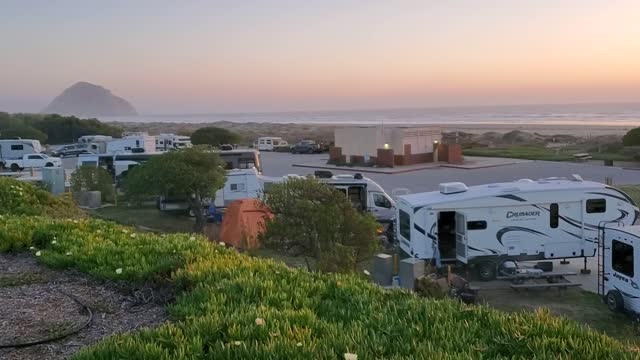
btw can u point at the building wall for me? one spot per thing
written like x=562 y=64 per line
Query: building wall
x=359 y=141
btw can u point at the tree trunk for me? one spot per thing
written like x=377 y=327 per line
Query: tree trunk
x=196 y=205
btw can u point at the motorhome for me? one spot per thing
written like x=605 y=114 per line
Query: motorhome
x=364 y=193
x=17 y=148
x=270 y=143
x=234 y=159
x=618 y=278
x=168 y=142
x=484 y=226
x=135 y=143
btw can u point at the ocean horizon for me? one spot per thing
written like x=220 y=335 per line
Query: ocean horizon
x=611 y=114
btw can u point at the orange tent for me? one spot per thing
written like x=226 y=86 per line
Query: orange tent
x=243 y=221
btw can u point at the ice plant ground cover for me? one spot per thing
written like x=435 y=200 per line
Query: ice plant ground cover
x=230 y=305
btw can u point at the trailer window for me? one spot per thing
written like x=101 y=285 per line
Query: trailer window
x=554 y=215
x=476 y=225
x=17 y=147
x=622 y=258
x=596 y=206
x=405 y=225
x=237 y=187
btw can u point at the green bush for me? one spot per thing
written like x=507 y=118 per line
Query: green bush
x=632 y=137
x=88 y=178
x=233 y=306
x=214 y=136
x=20 y=198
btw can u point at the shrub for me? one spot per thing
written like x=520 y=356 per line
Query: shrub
x=214 y=136
x=632 y=137
x=88 y=178
x=20 y=198
x=314 y=219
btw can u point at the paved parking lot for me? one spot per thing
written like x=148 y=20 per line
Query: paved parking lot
x=278 y=164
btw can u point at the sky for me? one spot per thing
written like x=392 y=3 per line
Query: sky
x=250 y=55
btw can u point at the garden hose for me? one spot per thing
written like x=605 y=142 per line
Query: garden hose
x=59 y=336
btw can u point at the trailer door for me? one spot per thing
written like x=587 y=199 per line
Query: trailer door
x=461 y=237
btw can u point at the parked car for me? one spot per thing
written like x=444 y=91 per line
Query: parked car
x=305 y=147
x=33 y=161
x=71 y=150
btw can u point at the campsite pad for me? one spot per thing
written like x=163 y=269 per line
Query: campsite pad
x=33 y=306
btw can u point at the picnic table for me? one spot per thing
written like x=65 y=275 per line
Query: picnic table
x=582 y=156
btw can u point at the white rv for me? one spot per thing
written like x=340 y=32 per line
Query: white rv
x=135 y=143
x=270 y=143
x=17 y=148
x=167 y=142
x=364 y=193
x=87 y=139
x=486 y=225
x=240 y=184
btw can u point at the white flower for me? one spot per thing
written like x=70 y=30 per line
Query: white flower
x=125 y=231
x=75 y=221
x=68 y=253
x=221 y=243
x=192 y=238
x=54 y=242
x=350 y=356
x=38 y=253
x=299 y=344
x=366 y=272
x=259 y=321
x=99 y=231
x=32 y=248
x=119 y=271
x=133 y=235
x=237 y=343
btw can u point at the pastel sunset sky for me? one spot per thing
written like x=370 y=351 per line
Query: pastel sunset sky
x=253 y=55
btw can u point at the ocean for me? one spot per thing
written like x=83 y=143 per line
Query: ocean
x=620 y=114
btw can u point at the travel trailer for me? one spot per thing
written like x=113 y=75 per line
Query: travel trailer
x=168 y=142
x=17 y=148
x=135 y=143
x=270 y=143
x=240 y=184
x=484 y=226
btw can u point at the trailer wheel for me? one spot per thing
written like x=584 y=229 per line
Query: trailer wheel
x=15 y=167
x=614 y=301
x=486 y=271
x=48 y=164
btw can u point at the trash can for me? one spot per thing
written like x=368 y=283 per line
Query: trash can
x=608 y=163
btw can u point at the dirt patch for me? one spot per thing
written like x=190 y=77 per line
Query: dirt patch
x=37 y=302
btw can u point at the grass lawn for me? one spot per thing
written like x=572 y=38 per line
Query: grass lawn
x=146 y=217
x=581 y=306
x=631 y=190
x=540 y=153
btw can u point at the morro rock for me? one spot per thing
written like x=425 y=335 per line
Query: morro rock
x=87 y=100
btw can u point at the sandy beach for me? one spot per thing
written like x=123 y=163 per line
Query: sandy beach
x=323 y=132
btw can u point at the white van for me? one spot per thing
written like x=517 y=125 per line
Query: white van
x=270 y=143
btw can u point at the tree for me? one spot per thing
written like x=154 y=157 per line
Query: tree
x=195 y=174
x=314 y=219
x=632 y=137
x=24 y=132
x=214 y=136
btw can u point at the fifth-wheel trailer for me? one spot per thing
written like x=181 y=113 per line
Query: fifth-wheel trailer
x=484 y=226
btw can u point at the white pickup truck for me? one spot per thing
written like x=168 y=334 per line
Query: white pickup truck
x=32 y=161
